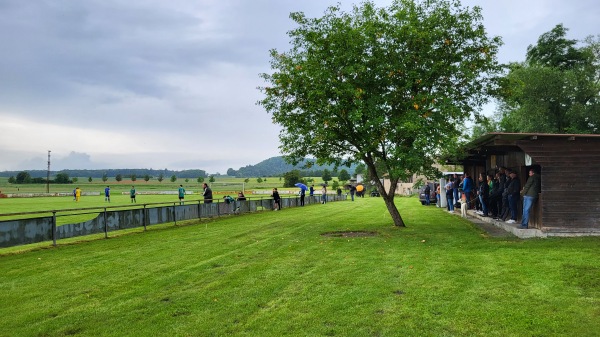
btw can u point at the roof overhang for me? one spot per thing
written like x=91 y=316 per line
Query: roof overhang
x=499 y=143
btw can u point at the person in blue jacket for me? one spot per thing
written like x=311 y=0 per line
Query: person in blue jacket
x=467 y=187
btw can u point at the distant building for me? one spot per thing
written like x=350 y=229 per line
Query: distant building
x=409 y=186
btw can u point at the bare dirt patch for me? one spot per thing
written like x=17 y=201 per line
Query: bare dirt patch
x=349 y=234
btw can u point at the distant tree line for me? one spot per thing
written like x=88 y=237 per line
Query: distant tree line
x=109 y=173
x=24 y=177
x=291 y=178
x=272 y=167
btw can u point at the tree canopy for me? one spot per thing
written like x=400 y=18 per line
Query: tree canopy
x=326 y=175
x=23 y=177
x=557 y=88
x=554 y=50
x=291 y=178
x=344 y=175
x=387 y=87
x=62 y=178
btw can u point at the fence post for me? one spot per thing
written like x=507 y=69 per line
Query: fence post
x=199 y=211
x=54 y=228
x=105 y=224
x=144 y=217
x=174 y=214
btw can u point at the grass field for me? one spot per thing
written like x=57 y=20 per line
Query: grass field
x=276 y=274
x=120 y=194
x=97 y=185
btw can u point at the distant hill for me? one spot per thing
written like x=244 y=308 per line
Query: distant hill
x=277 y=166
x=272 y=167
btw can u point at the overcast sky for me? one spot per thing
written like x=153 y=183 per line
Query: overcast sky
x=172 y=84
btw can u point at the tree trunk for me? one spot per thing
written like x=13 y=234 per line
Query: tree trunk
x=388 y=196
x=391 y=206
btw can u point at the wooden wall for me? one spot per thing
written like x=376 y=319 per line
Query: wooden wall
x=570 y=172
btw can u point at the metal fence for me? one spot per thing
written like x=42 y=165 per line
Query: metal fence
x=44 y=228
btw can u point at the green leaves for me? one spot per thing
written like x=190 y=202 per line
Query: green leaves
x=381 y=85
x=556 y=90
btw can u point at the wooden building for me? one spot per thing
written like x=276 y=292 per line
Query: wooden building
x=569 y=202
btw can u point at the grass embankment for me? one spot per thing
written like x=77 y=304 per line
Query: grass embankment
x=274 y=274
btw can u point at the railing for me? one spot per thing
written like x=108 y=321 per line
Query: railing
x=30 y=230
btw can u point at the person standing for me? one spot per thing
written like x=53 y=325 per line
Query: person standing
x=449 y=187
x=107 y=194
x=530 y=194
x=505 y=206
x=207 y=194
x=360 y=190
x=324 y=194
x=467 y=188
x=500 y=200
x=352 y=192
x=455 y=184
x=132 y=194
x=276 y=200
x=181 y=192
x=494 y=195
x=302 y=195
x=77 y=194
x=513 y=196
x=484 y=193
x=427 y=193
x=311 y=190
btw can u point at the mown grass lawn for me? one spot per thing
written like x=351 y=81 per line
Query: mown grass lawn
x=274 y=274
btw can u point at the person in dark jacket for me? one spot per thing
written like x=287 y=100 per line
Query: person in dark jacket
x=455 y=186
x=501 y=177
x=208 y=196
x=449 y=187
x=505 y=213
x=276 y=200
x=494 y=195
x=241 y=196
x=530 y=193
x=483 y=193
x=513 y=190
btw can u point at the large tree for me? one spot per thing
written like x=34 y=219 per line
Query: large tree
x=291 y=178
x=557 y=88
x=62 y=178
x=326 y=176
x=382 y=86
x=344 y=175
x=23 y=177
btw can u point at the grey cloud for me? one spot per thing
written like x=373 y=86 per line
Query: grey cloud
x=74 y=160
x=180 y=73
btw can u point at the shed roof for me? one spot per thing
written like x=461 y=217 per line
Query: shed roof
x=499 y=143
x=513 y=137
